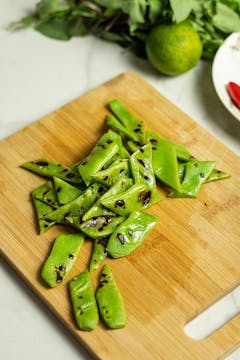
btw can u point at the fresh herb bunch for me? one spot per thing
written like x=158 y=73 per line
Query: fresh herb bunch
x=128 y=22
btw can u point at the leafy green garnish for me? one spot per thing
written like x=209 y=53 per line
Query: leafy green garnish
x=128 y=22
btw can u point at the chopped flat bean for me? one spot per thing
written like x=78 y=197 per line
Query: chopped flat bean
x=142 y=171
x=136 y=197
x=99 y=253
x=130 y=234
x=102 y=153
x=65 y=192
x=49 y=168
x=110 y=301
x=128 y=119
x=61 y=259
x=196 y=173
x=84 y=302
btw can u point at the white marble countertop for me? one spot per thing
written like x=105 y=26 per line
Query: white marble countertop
x=38 y=75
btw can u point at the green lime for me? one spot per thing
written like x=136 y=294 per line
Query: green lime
x=173 y=49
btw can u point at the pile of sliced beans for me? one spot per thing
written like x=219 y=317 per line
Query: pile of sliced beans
x=103 y=197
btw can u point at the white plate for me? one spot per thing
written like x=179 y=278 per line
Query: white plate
x=226 y=67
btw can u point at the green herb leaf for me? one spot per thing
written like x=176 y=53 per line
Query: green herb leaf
x=181 y=9
x=46 y=8
x=56 y=28
x=155 y=8
x=226 y=19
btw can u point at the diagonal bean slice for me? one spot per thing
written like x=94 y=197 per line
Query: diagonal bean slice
x=83 y=301
x=61 y=259
x=110 y=301
x=129 y=235
x=49 y=168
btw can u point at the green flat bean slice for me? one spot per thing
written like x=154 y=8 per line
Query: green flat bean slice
x=41 y=210
x=130 y=234
x=117 y=126
x=136 y=197
x=124 y=154
x=110 y=301
x=102 y=153
x=128 y=119
x=77 y=207
x=49 y=168
x=196 y=173
x=217 y=175
x=142 y=170
x=61 y=259
x=65 y=192
x=98 y=209
x=99 y=253
x=46 y=193
x=102 y=226
x=108 y=177
x=84 y=301
x=181 y=152
x=165 y=164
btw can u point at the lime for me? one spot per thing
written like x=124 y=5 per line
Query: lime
x=173 y=49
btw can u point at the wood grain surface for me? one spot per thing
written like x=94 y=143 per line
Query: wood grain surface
x=189 y=261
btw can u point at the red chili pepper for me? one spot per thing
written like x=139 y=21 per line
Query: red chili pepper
x=234 y=93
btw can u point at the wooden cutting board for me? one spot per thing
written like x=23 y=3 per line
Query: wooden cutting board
x=188 y=262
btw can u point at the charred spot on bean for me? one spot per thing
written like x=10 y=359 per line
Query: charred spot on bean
x=70 y=175
x=59 y=277
x=137 y=130
x=58 y=189
x=80 y=296
x=41 y=163
x=141 y=150
x=144 y=164
x=64 y=170
x=109 y=141
x=84 y=162
x=202 y=175
x=103 y=146
x=104 y=177
x=71 y=256
x=154 y=148
x=101 y=190
x=147 y=178
x=121 y=238
x=195 y=164
x=153 y=141
x=122 y=171
x=144 y=197
x=62 y=268
x=137 y=143
x=119 y=203
x=218 y=171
